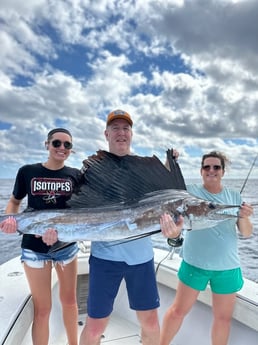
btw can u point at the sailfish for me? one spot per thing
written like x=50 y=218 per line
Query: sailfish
x=122 y=198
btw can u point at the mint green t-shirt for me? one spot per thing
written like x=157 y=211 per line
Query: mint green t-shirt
x=213 y=248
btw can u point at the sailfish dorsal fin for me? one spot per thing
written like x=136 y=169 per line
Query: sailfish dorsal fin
x=111 y=179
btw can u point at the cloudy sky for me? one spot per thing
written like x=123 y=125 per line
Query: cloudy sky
x=186 y=71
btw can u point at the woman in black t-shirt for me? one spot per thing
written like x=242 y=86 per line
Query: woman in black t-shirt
x=48 y=185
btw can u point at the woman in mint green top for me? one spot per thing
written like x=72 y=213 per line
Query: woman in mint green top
x=210 y=256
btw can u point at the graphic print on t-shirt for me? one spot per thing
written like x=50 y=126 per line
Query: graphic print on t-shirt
x=51 y=188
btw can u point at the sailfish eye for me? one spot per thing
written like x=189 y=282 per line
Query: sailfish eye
x=211 y=206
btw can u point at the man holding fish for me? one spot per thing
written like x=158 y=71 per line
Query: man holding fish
x=131 y=261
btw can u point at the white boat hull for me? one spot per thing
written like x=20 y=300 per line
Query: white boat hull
x=17 y=309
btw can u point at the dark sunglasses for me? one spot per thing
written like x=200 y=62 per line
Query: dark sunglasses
x=57 y=143
x=208 y=167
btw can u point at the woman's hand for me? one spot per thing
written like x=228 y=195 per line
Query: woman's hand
x=246 y=210
x=9 y=225
x=50 y=237
x=169 y=228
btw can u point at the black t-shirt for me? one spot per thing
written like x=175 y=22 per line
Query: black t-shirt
x=45 y=189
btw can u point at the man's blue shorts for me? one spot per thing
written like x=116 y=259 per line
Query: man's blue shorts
x=105 y=279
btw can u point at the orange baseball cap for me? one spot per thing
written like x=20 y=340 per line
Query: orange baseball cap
x=119 y=114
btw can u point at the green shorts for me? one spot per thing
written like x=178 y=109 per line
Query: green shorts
x=221 y=282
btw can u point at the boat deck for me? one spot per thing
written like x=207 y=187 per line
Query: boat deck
x=118 y=332
x=123 y=328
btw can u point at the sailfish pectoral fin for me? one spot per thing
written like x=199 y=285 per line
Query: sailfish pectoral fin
x=133 y=238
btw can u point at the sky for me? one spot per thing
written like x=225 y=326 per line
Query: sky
x=186 y=71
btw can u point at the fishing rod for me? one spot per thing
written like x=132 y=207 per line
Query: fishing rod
x=251 y=168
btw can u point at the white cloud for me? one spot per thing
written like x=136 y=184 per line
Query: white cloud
x=74 y=61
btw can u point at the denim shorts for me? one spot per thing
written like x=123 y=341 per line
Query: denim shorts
x=221 y=282
x=105 y=279
x=37 y=260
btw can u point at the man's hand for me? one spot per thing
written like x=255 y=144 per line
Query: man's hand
x=169 y=228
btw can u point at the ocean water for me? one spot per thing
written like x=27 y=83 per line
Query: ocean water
x=248 y=247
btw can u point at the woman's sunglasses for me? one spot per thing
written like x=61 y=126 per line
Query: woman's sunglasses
x=57 y=143
x=208 y=167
